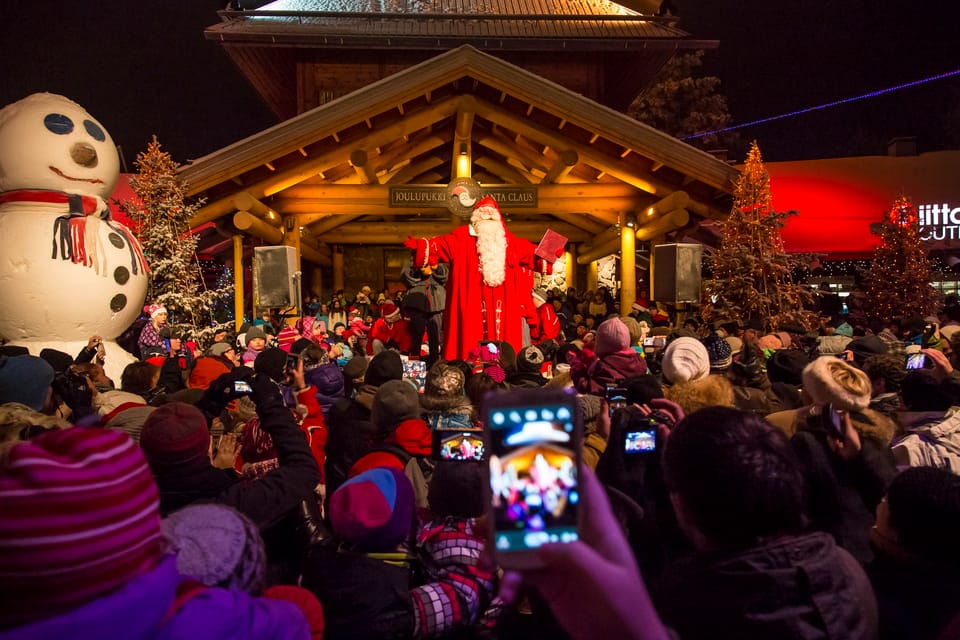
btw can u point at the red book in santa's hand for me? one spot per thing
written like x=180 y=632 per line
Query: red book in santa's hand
x=551 y=246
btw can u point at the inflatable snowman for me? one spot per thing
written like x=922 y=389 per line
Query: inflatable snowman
x=67 y=271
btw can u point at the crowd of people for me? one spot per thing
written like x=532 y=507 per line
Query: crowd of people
x=284 y=481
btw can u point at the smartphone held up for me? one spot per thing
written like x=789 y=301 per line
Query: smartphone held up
x=534 y=438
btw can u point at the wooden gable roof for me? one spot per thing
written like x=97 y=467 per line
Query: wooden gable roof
x=329 y=170
x=280 y=47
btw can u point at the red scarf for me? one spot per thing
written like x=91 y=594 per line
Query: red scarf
x=70 y=229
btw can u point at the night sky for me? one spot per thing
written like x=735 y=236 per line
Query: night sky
x=144 y=68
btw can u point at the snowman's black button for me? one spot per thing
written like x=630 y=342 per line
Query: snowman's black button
x=116 y=240
x=121 y=275
x=118 y=302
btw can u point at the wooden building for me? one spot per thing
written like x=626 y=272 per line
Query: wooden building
x=375 y=145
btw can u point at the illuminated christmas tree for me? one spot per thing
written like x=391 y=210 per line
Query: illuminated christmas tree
x=161 y=216
x=751 y=277
x=898 y=280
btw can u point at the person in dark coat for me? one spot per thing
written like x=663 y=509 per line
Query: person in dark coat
x=737 y=492
x=423 y=306
x=350 y=429
x=916 y=571
x=176 y=440
x=616 y=360
x=844 y=451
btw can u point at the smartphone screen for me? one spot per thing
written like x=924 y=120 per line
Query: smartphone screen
x=459 y=445
x=916 y=361
x=242 y=387
x=534 y=480
x=616 y=398
x=835 y=420
x=642 y=441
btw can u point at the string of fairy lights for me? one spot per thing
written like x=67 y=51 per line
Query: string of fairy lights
x=835 y=103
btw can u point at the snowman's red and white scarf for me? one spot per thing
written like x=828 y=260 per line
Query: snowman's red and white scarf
x=77 y=240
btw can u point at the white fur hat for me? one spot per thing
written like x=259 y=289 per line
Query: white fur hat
x=684 y=360
x=830 y=380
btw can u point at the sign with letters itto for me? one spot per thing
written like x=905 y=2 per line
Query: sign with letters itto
x=461 y=195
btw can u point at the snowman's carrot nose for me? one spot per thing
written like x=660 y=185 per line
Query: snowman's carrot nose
x=84 y=154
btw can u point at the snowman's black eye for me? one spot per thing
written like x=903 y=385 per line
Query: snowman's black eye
x=94 y=130
x=58 y=123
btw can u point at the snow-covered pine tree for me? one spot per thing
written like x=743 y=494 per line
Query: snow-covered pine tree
x=751 y=277
x=161 y=217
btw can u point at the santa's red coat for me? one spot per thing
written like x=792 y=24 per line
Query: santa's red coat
x=464 y=325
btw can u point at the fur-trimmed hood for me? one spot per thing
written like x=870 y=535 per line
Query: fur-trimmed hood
x=708 y=391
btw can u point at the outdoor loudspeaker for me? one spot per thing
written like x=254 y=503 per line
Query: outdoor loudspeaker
x=676 y=272
x=273 y=281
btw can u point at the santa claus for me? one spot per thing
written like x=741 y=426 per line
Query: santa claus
x=483 y=292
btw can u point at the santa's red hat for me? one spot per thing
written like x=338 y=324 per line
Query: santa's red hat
x=486 y=209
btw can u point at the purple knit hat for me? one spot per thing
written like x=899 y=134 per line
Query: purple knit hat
x=612 y=336
x=79 y=517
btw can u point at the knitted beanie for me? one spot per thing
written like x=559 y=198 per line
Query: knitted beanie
x=736 y=344
x=272 y=362
x=395 y=401
x=153 y=310
x=925 y=512
x=218 y=546
x=356 y=367
x=539 y=294
x=719 y=351
x=374 y=510
x=685 y=360
x=830 y=380
x=286 y=338
x=444 y=381
x=866 y=346
x=219 y=348
x=25 y=379
x=79 y=518
x=612 y=336
x=786 y=365
x=384 y=366
x=636 y=331
x=255 y=332
x=175 y=434
x=530 y=359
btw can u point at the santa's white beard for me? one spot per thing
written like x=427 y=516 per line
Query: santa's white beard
x=492 y=248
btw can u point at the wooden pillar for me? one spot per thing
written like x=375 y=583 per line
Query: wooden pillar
x=593 y=277
x=237 y=281
x=337 y=268
x=628 y=258
x=571 y=266
x=316 y=281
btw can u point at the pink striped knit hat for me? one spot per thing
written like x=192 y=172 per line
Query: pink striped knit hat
x=79 y=517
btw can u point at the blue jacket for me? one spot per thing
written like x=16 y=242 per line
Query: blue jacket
x=143 y=609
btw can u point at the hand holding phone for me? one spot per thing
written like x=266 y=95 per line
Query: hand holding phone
x=242 y=388
x=535 y=439
x=916 y=361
